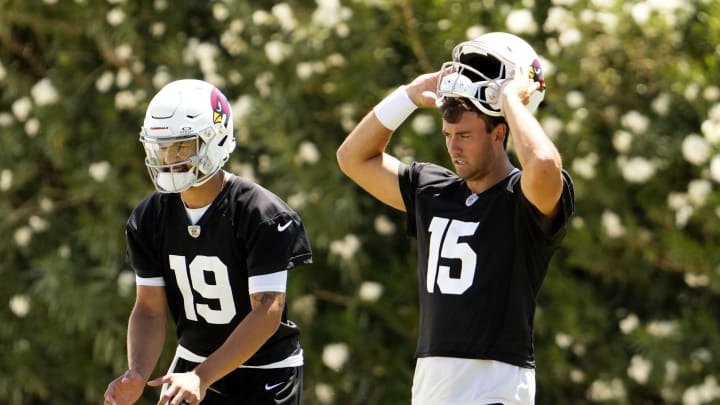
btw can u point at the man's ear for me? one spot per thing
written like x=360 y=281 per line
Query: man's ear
x=500 y=132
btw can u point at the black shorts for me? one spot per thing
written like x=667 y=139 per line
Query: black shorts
x=252 y=386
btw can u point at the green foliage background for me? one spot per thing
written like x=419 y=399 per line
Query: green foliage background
x=628 y=314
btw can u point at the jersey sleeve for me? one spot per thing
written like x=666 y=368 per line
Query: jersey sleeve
x=408 y=177
x=277 y=244
x=141 y=255
x=567 y=208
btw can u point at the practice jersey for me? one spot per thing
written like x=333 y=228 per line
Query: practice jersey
x=247 y=231
x=481 y=261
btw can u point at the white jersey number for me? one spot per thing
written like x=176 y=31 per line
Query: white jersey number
x=444 y=236
x=219 y=290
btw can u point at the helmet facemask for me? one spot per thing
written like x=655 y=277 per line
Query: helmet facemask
x=175 y=164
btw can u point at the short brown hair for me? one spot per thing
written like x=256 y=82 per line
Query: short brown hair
x=453 y=108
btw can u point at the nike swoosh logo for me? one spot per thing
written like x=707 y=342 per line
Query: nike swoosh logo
x=285 y=226
x=269 y=387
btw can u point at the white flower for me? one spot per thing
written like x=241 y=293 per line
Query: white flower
x=23 y=236
x=105 y=81
x=123 y=78
x=715 y=168
x=32 y=127
x=261 y=17
x=662 y=329
x=99 y=171
x=161 y=78
x=284 y=15
x=123 y=51
x=695 y=149
x=370 y=291
x=126 y=283
x=44 y=93
x=711 y=131
x=6 y=178
x=305 y=307
x=705 y=393
x=711 y=93
x=563 y=340
x=661 y=104
x=115 y=16
x=695 y=280
x=345 y=248
x=423 y=124
x=569 y=37
x=20 y=305
x=553 y=126
x=475 y=31
x=601 y=390
x=21 y=108
x=6 y=119
x=585 y=166
x=635 y=121
x=683 y=215
x=64 y=251
x=125 y=100
x=698 y=191
x=276 y=51
x=612 y=224
x=383 y=225
x=521 y=22
x=37 y=224
x=325 y=393
x=636 y=169
x=335 y=355
x=622 y=140
x=639 y=369
x=629 y=323
x=575 y=99
x=307 y=153
x=220 y=12
x=577 y=376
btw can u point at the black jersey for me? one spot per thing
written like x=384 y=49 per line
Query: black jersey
x=481 y=261
x=247 y=231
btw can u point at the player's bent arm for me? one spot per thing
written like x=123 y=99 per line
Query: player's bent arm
x=146 y=329
x=250 y=334
x=363 y=159
x=541 y=163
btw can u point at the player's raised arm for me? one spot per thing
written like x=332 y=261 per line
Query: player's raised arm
x=362 y=155
x=540 y=160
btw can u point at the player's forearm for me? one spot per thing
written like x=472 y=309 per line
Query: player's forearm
x=367 y=141
x=243 y=343
x=145 y=340
x=534 y=149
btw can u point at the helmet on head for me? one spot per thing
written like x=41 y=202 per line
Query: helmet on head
x=187 y=135
x=480 y=66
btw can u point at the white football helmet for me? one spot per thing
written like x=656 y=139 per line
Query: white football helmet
x=187 y=134
x=480 y=66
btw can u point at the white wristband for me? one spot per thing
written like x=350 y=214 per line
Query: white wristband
x=394 y=109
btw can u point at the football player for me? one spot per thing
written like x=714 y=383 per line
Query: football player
x=485 y=232
x=215 y=250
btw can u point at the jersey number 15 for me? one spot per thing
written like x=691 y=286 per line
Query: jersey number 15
x=444 y=243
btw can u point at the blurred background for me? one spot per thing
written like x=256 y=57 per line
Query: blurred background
x=628 y=313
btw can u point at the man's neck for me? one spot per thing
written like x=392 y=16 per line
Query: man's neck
x=201 y=196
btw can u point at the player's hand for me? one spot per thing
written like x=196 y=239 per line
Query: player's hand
x=182 y=389
x=125 y=390
x=422 y=90
x=518 y=86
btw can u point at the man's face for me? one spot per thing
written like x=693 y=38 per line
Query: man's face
x=473 y=149
x=175 y=152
